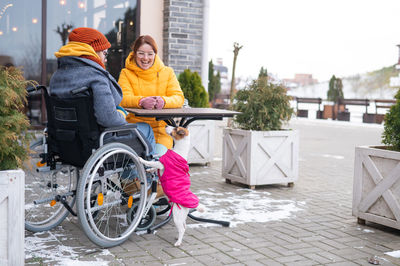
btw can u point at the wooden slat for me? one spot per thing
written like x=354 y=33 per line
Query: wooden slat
x=12 y=217
x=364 y=102
x=385 y=101
x=382 y=188
x=275 y=157
x=236 y=152
x=308 y=100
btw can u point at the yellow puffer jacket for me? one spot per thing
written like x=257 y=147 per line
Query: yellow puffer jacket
x=159 y=80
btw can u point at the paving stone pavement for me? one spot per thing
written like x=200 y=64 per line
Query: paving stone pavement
x=316 y=229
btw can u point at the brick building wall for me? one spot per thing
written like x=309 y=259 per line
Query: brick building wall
x=183 y=34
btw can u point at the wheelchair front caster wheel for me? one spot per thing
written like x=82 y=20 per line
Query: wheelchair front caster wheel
x=146 y=222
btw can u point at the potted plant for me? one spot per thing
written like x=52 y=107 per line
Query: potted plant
x=14 y=142
x=257 y=151
x=377 y=175
x=335 y=94
x=201 y=131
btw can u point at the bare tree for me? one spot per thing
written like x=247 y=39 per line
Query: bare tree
x=64 y=31
x=236 y=49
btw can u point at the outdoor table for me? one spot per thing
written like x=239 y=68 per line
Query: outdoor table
x=186 y=116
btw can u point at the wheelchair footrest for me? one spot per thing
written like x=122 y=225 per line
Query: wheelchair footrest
x=63 y=201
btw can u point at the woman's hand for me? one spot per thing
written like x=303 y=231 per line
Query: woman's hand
x=159 y=102
x=152 y=102
x=148 y=102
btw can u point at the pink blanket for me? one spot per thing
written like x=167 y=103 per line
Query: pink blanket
x=175 y=180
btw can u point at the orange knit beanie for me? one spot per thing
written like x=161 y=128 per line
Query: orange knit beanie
x=90 y=36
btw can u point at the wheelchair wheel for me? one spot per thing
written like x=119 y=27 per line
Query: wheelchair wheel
x=147 y=220
x=42 y=211
x=102 y=203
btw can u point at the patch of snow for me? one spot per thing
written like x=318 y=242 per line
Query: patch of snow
x=69 y=262
x=47 y=247
x=338 y=157
x=395 y=253
x=368 y=231
x=199 y=173
x=245 y=206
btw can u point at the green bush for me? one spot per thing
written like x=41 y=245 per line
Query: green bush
x=214 y=82
x=193 y=89
x=264 y=106
x=391 y=132
x=335 y=91
x=14 y=140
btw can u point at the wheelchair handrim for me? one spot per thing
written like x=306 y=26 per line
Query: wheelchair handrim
x=88 y=207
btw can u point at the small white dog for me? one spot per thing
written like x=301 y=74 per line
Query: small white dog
x=175 y=180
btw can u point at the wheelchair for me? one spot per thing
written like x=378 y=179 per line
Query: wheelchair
x=79 y=168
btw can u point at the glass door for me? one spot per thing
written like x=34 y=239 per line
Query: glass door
x=116 y=19
x=20 y=36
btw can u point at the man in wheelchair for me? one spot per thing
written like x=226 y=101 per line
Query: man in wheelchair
x=89 y=153
x=81 y=63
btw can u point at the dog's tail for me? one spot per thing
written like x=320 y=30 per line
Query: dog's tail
x=201 y=208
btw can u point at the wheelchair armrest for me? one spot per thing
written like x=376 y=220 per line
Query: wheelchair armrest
x=32 y=89
x=127 y=127
x=120 y=128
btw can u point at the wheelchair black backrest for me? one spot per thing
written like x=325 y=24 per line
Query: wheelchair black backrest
x=73 y=132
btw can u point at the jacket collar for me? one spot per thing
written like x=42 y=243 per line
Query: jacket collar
x=147 y=74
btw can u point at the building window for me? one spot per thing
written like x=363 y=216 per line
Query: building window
x=116 y=19
x=21 y=36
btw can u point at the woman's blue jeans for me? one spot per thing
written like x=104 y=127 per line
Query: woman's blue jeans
x=148 y=133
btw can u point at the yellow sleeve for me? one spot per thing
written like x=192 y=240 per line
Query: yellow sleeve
x=174 y=97
x=129 y=99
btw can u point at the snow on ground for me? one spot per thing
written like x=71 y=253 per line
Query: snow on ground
x=244 y=206
x=239 y=207
x=395 y=253
x=46 y=248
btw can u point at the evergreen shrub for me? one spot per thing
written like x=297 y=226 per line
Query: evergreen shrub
x=14 y=125
x=264 y=106
x=214 y=82
x=391 y=131
x=193 y=89
x=335 y=92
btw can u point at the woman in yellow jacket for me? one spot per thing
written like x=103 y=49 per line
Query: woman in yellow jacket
x=147 y=83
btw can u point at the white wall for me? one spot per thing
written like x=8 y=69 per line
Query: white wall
x=151 y=21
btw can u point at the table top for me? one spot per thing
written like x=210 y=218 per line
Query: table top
x=182 y=112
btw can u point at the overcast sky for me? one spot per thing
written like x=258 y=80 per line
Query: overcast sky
x=319 y=37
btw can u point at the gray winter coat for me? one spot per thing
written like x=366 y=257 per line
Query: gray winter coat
x=75 y=72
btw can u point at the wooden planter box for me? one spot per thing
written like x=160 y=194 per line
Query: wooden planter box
x=201 y=142
x=343 y=116
x=12 y=217
x=319 y=115
x=327 y=112
x=302 y=113
x=369 y=118
x=373 y=118
x=260 y=157
x=376 y=197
